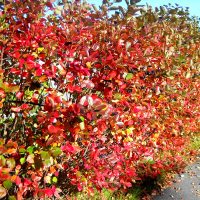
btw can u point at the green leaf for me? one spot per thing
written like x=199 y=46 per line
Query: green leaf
x=2 y=141
x=56 y=151
x=7 y=184
x=22 y=160
x=117 y=96
x=46 y=157
x=54 y=179
x=129 y=76
x=81 y=118
x=11 y=198
x=30 y=149
x=181 y=59
x=151 y=162
x=22 y=150
x=2 y=160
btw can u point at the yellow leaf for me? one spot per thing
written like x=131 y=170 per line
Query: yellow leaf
x=40 y=49
x=88 y=64
x=155 y=136
x=8 y=88
x=57 y=11
x=123 y=133
x=188 y=75
x=82 y=125
x=128 y=139
x=35 y=54
x=129 y=130
x=78 y=174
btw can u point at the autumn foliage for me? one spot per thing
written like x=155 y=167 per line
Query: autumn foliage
x=93 y=100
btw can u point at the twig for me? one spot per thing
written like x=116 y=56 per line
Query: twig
x=5 y=131
x=1 y=63
x=127 y=2
x=86 y=150
x=14 y=125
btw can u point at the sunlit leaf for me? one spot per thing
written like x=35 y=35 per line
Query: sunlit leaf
x=117 y=96
x=3 y=192
x=22 y=160
x=54 y=179
x=129 y=76
x=11 y=163
x=30 y=158
x=30 y=149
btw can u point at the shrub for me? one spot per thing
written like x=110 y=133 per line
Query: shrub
x=94 y=100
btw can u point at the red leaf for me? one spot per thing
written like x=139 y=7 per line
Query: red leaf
x=2 y=93
x=109 y=58
x=27 y=182
x=24 y=106
x=19 y=95
x=89 y=115
x=88 y=84
x=15 y=71
x=137 y=109
x=80 y=187
x=86 y=100
x=16 y=54
x=76 y=108
x=49 y=192
x=54 y=129
x=127 y=184
x=16 y=109
x=73 y=88
x=38 y=72
x=18 y=180
x=112 y=74
x=68 y=147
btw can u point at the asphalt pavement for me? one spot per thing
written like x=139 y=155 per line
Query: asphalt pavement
x=186 y=186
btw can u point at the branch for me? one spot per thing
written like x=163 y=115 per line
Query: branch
x=127 y=2
x=21 y=102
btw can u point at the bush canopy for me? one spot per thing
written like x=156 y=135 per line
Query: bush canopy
x=94 y=98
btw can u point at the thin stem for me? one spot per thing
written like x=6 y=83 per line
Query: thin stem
x=1 y=62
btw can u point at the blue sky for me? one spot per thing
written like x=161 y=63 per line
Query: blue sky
x=194 y=5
